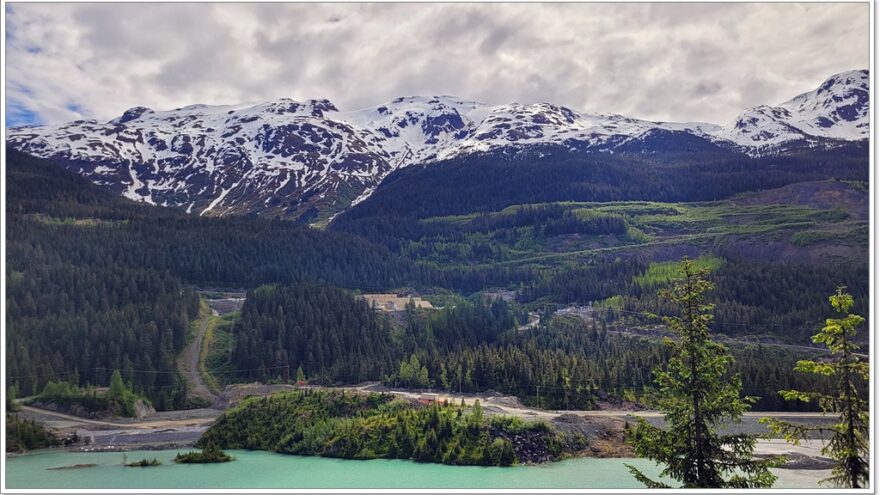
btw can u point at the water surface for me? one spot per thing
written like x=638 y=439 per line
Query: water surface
x=269 y=470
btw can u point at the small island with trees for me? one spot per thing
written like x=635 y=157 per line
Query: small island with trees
x=209 y=454
x=142 y=463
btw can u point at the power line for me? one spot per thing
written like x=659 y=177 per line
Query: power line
x=66 y=373
x=156 y=372
x=177 y=372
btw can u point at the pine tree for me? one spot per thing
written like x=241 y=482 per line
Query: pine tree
x=11 y=394
x=697 y=395
x=849 y=436
x=117 y=386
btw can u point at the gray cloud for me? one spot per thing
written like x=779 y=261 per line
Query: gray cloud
x=678 y=62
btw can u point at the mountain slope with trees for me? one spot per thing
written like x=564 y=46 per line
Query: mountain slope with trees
x=86 y=267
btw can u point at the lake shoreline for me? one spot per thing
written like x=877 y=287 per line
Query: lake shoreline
x=260 y=469
x=603 y=429
x=806 y=456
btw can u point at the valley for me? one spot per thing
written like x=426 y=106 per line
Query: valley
x=461 y=247
x=611 y=255
x=526 y=279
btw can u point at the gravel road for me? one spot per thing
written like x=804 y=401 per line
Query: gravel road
x=188 y=364
x=185 y=427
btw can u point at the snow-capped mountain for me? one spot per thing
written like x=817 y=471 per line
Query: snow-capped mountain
x=309 y=159
x=838 y=109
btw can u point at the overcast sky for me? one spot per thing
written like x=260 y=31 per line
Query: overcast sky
x=671 y=62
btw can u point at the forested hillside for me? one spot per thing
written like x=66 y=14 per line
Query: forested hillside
x=87 y=267
x=331 y=337
x=96 y=283
x=489 y=182
x=571 y=229
x=322 y=330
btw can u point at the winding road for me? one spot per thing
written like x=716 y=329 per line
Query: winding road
x=534 y=320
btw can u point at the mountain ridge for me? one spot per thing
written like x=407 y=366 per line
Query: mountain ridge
x=309 y=159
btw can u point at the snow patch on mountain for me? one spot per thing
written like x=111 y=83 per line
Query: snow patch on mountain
x=837 y=109
x=290 y=158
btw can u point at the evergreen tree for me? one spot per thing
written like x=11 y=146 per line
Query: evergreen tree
x=698 y=395
x=11 y=394
x=849 y=441
x=117 y=386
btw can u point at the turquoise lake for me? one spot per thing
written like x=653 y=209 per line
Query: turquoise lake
x=269 y=470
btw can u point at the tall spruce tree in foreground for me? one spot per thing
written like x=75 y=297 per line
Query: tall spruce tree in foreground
x=697 y=396
x=849 y=436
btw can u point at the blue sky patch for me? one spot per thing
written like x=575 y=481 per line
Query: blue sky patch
x=18 y=114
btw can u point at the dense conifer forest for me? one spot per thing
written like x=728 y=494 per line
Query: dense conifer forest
x=334 y=338
x=490 y=182
x=96 y=283
x=88 y=267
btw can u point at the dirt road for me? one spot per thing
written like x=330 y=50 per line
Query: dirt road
x=534 y=320
x=512 y=407
x=494 y=404
x=188 y=363
x=173 y=429
x=185 y=427
x=61 y=420
x=658 y=332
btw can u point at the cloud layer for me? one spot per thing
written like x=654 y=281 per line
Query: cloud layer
x=673 y=62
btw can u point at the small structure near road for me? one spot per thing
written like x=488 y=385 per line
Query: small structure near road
x=395 y=302
x=431 y=399
x=583 y=312
x=224 y=301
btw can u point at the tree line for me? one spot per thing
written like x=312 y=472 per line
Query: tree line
x=96 y=283
x=333 y=337
x=493 y=181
